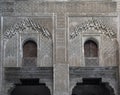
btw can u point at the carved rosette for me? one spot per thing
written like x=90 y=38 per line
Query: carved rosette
x=24 y=24
x=95 y=25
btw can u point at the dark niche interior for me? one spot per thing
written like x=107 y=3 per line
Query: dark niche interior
x=30 y=87
x=92 y=86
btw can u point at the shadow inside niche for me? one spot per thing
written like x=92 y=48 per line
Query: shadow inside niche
x=92 y=86
x=30 y=87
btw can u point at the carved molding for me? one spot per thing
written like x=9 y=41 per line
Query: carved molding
x=24 y=24
x=109 y=72
x=95 y=25
x=13 y=74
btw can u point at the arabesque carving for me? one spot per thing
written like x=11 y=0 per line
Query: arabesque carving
x=24 y=24
x=93 y=24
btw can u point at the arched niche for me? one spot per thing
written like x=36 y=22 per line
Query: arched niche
x=91 y=52
x=29 y=49
x=29 y=53
x=30 y=87
x=23 y=29
x=92 y=86
x=90 y=48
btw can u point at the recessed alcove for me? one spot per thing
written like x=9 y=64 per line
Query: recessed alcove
x=92 y=86
x=30 y=87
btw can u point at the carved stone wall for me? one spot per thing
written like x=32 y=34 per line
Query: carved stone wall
x=27 y=7
x=108 y=74
x=23 y=29
x=60 y=28
x=13 y=76
x=98 y=29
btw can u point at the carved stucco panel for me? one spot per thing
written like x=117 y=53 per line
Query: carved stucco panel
x=95 y=28
x=93 y=24
x=24 y=25
x=23 y=30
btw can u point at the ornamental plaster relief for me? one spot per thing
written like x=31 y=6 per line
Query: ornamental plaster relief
x=25 y=29
x=93 y=24
x=23 y=25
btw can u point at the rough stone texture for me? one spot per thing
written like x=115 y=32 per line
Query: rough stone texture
x=61 y=18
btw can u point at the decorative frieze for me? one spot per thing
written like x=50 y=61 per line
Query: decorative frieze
x=23 y=25
x=93 y=24
x=97 y=72
x=14 y=74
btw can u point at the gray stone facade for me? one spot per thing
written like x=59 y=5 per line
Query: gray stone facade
x=60 y=29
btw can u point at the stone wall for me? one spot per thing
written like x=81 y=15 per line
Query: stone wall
x=78 y=35
x=23 y=29
x=28 y=7
x=62 y=46
x=13 y=76
x=107 y=74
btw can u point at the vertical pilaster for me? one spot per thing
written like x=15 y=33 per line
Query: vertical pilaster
x=61 y=68
x=61 y=79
